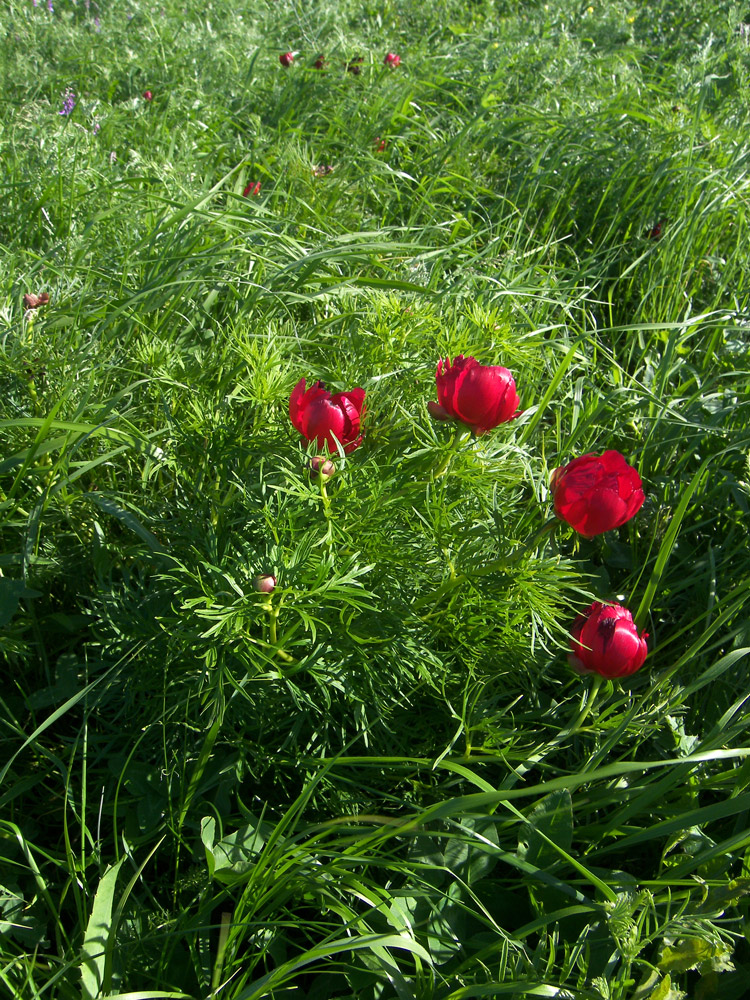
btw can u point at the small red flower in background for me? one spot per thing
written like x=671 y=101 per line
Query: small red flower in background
x=379 y=144
x=355 y=65
x=655 y=233
x=392 y=59
x=605 y=640
x=147 y=95
x=286 y=59
x=324 y=418
x=480 y=396
x=596 y=493
x=31 y=301
x=320 y=62
x=251 y=189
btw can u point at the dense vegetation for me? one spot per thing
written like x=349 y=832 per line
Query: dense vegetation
x=381 y=779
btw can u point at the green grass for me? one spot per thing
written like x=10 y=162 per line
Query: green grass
x=384 y=781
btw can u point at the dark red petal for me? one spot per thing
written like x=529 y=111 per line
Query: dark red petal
x=437 y=411
x=321 y=420
x=350 y=414
x=604 y=511
x=294 y=404
x=356 y=397
x=625 y=654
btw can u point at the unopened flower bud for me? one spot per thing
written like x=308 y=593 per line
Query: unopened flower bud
x=264 y=583
x=321 y=466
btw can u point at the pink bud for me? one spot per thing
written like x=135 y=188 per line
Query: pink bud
x=264 y=583
x=392 y=60
x=286 y=59
x=321 y=466
x=147 y=95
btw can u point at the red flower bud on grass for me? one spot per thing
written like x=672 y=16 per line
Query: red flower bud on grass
x=392 y=59
x=147 y=95
x=596 y=493
x=480 y=396
x=379 y=144
x=286 y=59
x=320 y=62
x=605 y=640
x=264 y=583
x=251 y=189
x=324 y=418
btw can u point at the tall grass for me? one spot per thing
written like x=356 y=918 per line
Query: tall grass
x=382 y=780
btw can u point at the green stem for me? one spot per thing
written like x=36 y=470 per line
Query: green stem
x=585 y=708
x=546 y=528
x=457 y=440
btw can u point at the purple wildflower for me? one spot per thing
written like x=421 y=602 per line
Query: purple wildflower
x=96 y=23
x=69 y=102
x=50 y=8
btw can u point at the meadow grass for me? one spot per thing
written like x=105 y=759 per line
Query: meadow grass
x=382 y=780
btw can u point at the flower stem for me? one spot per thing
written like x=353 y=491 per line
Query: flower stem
x=451 y=451
x=546 y=528
x=586 y=708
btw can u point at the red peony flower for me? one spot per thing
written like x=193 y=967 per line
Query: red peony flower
x=147 y=95
x=480 y=396
x=286 y=59
x=605 y=640
x=392 y=59
x=324 y=418
x=251 y=189
x=596 y=493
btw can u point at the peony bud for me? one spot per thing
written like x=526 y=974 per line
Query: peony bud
x=147 y=95
x=31 y=301
x=264 y=583
x=605 y=640
x=286 y=59
x=322 y=467
x=392 y=60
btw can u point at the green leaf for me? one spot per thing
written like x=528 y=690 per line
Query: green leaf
x=96 y=942
x=663 y=991
x=236 y=853
x=11 y=593
x=687 y=954
x=552 y=818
